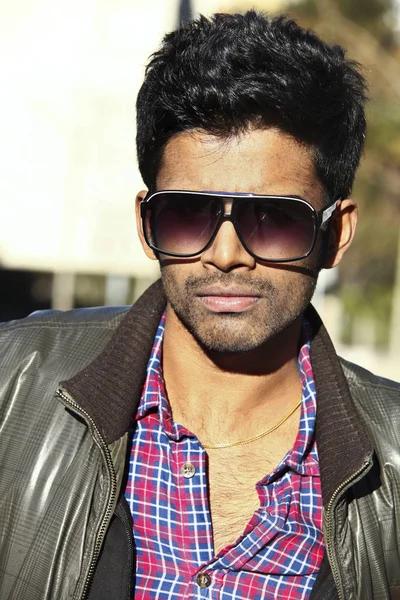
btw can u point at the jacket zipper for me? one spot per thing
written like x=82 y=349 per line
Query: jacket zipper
x=113 y=489
x=128 y=531
x=329 y=524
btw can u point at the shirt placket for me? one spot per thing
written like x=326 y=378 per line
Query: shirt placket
x=196 y=528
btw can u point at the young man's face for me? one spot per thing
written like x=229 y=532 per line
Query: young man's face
x=228 y=300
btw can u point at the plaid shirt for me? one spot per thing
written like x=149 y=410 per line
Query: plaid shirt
x=280 y=551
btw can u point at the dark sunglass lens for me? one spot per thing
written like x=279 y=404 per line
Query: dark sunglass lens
x=278 y=229
x=183 y=223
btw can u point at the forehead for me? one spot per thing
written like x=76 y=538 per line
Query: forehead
x=266 y=161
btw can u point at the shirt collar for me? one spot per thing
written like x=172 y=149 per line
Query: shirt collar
x=154 y=386
x=303 y=456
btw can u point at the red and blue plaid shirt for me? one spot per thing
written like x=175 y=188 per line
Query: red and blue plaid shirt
x=280 y=551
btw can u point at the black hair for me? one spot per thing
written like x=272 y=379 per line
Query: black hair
x=227 y=73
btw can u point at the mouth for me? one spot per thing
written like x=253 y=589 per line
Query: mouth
x=227 y=300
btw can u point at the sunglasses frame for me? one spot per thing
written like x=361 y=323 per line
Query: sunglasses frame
x=320 y=218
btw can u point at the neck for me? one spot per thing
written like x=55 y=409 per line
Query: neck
x=229 y=395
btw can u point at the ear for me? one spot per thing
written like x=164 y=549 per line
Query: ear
x=148 y=251
x=341 y=233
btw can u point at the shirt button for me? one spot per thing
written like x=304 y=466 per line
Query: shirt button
x=188 y=471
x=203 y=580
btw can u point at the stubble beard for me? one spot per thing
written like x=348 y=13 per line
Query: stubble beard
x=242 y=331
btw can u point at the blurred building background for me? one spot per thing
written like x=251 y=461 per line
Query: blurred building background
x=68 y=177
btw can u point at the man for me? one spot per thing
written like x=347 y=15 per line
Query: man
x=208 y=443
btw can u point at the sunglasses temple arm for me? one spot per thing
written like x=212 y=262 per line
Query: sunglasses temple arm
x=328 y=212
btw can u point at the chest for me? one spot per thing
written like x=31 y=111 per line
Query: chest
x=233 y=494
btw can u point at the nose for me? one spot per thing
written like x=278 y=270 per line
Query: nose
x=226 y=252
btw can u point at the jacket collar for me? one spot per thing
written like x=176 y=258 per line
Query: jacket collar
x=110 y=387
x=342 y=440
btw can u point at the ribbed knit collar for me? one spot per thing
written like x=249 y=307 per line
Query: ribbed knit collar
x=110 y=387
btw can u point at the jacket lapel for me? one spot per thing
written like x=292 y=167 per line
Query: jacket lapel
x=342 y=441
x=109 y=388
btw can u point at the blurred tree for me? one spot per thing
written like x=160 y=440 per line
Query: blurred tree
x=376 y=16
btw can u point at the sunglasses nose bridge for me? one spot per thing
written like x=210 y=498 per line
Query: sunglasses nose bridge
x=228 y=205
x=226 y=215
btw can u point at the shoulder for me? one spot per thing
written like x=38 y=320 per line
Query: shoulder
x=377 y=401
x=103 y=316
x=361 y=381
x=69 y=339
x=47 y=321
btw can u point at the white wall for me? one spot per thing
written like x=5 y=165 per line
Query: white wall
x=70 y=72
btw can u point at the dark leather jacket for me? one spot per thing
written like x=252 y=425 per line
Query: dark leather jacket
x=65 y=529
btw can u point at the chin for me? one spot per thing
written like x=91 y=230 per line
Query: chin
x=228 y=333
x=226 y=346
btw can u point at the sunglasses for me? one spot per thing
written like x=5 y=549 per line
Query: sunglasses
x=270 y=228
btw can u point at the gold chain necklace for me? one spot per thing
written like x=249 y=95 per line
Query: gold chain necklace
x=254 y=437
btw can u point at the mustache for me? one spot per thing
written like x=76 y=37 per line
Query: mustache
x=258 y=285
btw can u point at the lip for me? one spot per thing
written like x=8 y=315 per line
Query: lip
x=227 y=300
